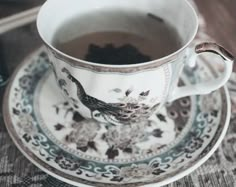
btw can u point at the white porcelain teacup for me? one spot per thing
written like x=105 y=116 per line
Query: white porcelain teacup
x=105 y=90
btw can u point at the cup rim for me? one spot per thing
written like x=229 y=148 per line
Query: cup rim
x=158 y=62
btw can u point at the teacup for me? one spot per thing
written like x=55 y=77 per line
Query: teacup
x=127 y=94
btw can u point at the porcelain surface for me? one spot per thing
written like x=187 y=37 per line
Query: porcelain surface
x=52 y=133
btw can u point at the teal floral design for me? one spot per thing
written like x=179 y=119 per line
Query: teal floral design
x=204 y=126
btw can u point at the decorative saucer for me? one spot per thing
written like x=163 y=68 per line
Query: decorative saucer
x=53 y=135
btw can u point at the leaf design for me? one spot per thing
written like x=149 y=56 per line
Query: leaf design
x=116 y=90
x=128 y=92
x=62 y=83
x=92 y=145
x=145 y=94
x=27 y=138
x=66 y=103
x=77 y=117
x=128 y=150
x=16 y=112
x=215 y=113
x=58 y=127
x=161 y=117
x=103 y=136
x=66 y=92
x=157 y=133
x=112 y=153
x=57 y=109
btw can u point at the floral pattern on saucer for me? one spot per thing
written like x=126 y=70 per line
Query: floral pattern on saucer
x=53 y=135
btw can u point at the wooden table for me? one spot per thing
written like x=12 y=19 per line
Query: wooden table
x=220 y=16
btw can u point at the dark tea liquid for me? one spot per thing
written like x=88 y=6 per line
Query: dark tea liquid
x=116 y=47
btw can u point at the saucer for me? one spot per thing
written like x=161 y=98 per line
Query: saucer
x=54 y=136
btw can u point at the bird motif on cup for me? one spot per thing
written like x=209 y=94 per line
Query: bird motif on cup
x=114 y=113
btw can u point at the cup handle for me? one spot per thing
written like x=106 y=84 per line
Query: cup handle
x=208 y=86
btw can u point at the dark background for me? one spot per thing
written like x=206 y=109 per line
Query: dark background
x=8 y=7
x=220 y=16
